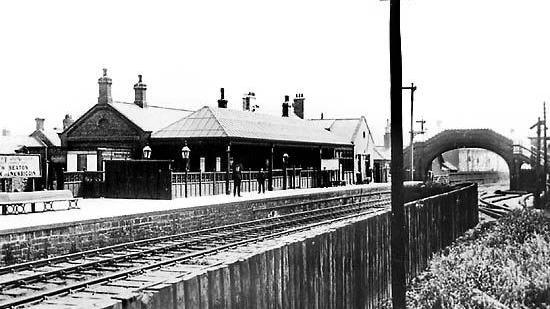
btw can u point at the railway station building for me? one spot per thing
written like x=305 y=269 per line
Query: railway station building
x=216 y=135
x=358 y=133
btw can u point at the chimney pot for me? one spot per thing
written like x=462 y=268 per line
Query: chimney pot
x=222 y=102
x=286 y=106
x=105 y=83
x=39 y=123
x=140 y=88
x=248 y=100
x=298 y=105
x=67 y=121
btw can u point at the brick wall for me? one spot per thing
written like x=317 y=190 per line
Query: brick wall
x=33 y=243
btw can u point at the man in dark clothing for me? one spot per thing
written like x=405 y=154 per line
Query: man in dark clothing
x=237 y=177
x=261 y=181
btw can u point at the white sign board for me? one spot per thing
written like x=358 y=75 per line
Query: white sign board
x=329 y=164
x=19 y=166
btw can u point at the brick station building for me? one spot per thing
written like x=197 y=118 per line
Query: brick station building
x=114 y=129
x=120 y=130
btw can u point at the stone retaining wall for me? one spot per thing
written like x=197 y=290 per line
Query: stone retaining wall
x=26 y=244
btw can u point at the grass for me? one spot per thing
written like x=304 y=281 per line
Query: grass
x=500 y=265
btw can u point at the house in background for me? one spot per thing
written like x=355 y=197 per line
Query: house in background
x=382 y=158
x=43 y=142
x=357 y=132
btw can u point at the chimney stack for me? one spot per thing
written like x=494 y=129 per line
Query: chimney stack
x=5 y=132
x=67 y=121
x=298 y=105
x=249 y=100
x=105 y=83
x=222 y=102
x=286 y=106
x=387 y=135
x=140 y=89
x=39 y=123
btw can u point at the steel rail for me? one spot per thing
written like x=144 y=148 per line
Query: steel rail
x=296 y=218
x=108 y=249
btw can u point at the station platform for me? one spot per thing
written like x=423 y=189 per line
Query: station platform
x=101 y=208
x=106 y=222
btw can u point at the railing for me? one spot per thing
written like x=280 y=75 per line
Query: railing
x=214 y=183
x=479 y=177
x=84 y=184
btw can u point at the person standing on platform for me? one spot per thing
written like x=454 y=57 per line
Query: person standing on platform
x=261 y=181
x=237 y=177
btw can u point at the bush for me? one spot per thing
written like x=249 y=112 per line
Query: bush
x=417 y=190
x=506 y=265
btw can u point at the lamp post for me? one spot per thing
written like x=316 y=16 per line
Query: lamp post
x=227 y=189
x=185 y=152
x=147 y=152
x=285 y=161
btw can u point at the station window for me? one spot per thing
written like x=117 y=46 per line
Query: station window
x=81 y=162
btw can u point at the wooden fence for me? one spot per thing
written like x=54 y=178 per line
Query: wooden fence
x=346 y=266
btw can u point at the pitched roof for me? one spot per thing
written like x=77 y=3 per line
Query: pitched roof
x=381 y=153
x=150 y=118
x=9 y=144
x=222 y=122
x=346 y=128
x=48 y=137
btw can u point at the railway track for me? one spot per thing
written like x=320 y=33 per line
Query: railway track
x=31 y=282
x=492 y=204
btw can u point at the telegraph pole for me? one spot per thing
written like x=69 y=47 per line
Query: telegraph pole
x=545 y=149
x=537 y=165
x=412 y=88
x=397 y=211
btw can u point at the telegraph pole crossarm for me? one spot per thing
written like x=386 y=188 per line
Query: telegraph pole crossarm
x=412 y=88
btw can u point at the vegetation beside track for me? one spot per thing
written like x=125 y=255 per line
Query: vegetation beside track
x=505 y=264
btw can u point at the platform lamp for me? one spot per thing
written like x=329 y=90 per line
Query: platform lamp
x=147 y=152
x=185 y=152
x=285 y=162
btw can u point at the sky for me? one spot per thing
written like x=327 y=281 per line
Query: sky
x=477 y=64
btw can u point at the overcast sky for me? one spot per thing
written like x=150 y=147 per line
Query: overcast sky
x=476 y=63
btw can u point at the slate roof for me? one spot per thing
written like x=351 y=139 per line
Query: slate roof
x=222 y=122
x=51 y=137
x=346 y=128
x=9 y=144
x=150 y=118
x=381 y=153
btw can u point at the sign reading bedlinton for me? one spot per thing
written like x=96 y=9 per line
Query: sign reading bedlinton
x=14 y=166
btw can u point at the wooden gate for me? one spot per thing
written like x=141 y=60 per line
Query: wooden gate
x=145 y=179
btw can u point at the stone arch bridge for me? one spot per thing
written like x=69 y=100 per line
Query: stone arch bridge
x=425 y=152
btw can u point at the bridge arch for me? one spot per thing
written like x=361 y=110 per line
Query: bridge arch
x=425 y=152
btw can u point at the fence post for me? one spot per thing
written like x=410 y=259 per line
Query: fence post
x=249 y=180
x=200 y=182
x=185 y=182
x=293 y=176
x=214 y=182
